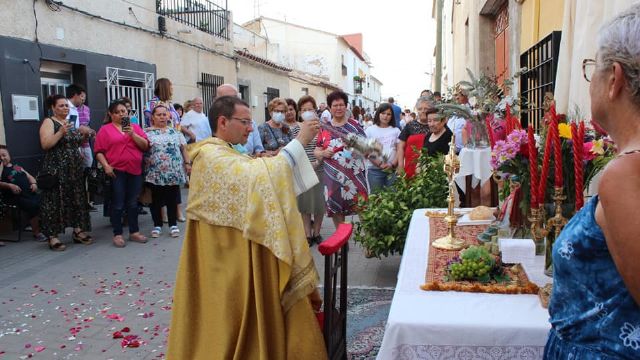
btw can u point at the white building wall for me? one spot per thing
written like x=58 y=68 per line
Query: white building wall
x=179 y=62
x=258 y=78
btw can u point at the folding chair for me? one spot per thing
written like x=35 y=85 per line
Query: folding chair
x=334 y=319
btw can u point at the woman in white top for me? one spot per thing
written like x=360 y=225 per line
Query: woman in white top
x=380 y=173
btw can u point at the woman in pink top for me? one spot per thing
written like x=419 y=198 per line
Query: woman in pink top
x=119 y=146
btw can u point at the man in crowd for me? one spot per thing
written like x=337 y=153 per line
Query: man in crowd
x=246 y=281
x=437 y=96
x=195 y=123
x=396 y=110
x=253 y=146
x=324 y=113
x=80 y=114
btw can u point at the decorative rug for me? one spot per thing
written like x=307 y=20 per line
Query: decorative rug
x=439 y=260
x=367 y=313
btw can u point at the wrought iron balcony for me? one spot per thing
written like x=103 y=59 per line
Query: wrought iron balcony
x=203 y=15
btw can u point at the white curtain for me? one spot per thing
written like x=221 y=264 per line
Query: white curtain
x=581 y=24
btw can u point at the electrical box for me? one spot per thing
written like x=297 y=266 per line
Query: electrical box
x=25 y=107
x=254 y=101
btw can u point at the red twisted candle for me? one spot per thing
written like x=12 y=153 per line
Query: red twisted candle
x=487 y=122
x=533 y=167
x=508 y=120
x=546 y=161
x=578 y=162
x=557 y=161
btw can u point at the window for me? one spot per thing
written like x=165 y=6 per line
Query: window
x=208 y=84
x=305 y=90
x=541 y=60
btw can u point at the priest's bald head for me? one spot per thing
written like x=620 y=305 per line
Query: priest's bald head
x=226 y=90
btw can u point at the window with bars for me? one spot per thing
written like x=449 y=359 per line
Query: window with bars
x=204 y=15
x=208 y=85
x=541 y=60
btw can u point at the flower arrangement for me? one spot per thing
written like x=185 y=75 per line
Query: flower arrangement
x=569 y=152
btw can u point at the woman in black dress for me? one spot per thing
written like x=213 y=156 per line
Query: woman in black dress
x=64 y=204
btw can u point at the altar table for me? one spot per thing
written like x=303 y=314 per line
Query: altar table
x=458 y=325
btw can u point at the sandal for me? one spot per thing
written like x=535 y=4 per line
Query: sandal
x=175 y=232
x=56 y=245
x=84 y=239
x=137 y=237
x=118 y=241
x=155 y=233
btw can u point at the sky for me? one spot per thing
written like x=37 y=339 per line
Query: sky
x=398 y=36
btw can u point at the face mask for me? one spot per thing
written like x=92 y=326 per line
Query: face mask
x=239 y=148
x=308 y=115
x=278 y=117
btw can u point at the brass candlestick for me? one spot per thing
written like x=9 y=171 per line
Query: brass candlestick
x=555 y=224
x=451 y=167
x=538 y=231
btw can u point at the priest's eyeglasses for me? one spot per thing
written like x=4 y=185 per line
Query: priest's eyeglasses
x=244 y=122
x=588 y=68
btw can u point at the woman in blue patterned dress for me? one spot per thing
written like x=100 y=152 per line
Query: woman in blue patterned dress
x=166 y=165
x=275 y=133
x=595 y=312
x=344 y=172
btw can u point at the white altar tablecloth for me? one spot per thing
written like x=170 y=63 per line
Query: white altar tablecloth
x=475 y=162
x=458 y=325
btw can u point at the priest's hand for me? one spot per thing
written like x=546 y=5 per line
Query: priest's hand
x=316 y=300
x=308 y=129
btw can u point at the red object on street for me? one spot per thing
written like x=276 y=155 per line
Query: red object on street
x=533 y=167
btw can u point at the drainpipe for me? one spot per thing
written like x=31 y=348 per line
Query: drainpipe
x=536 y=22
x=438 y=74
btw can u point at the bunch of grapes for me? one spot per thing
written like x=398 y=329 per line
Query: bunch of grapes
x=468 y=269
x=475 y=263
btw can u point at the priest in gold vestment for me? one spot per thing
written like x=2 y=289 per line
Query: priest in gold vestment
x=246 y=281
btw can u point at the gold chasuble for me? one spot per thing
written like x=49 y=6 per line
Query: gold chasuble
x=245 y=270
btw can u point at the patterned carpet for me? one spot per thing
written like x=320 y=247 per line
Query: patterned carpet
x=368 y=309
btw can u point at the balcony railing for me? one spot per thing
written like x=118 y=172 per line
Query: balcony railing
x=203 y=15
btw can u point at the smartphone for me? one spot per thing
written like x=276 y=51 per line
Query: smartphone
x=72 y=120
x=126 y=121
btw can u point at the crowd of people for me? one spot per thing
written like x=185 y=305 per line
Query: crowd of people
x=148 y=154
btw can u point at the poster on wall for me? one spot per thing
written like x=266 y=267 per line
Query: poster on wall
x=25 y=107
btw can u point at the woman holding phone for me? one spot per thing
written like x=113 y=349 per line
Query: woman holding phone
x=62 y=204
x=119 y=147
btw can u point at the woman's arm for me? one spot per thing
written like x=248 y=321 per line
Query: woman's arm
x=141 y=143
x=619 y=196
x=49 y=138
x=105 y=164
x=400 y=157
x=185 y=159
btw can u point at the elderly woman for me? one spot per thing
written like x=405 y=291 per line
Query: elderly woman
x=63 y=203
x=119 y=147
x=424 y=105
x=165 y=169
x=344 y=172
x=435 y=142
x=275 y=134
x=291 y=117
x=20 y=188
x=595 y=307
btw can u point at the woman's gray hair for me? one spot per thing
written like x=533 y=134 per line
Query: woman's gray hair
x=426 y=99
x=619 y=41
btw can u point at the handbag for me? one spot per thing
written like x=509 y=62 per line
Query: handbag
x=47 y=181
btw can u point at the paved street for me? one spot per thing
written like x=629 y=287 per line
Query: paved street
x=68 y=305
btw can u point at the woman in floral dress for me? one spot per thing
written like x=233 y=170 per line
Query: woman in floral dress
x=63 y=205
x=166 y=165
x=344 y=172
